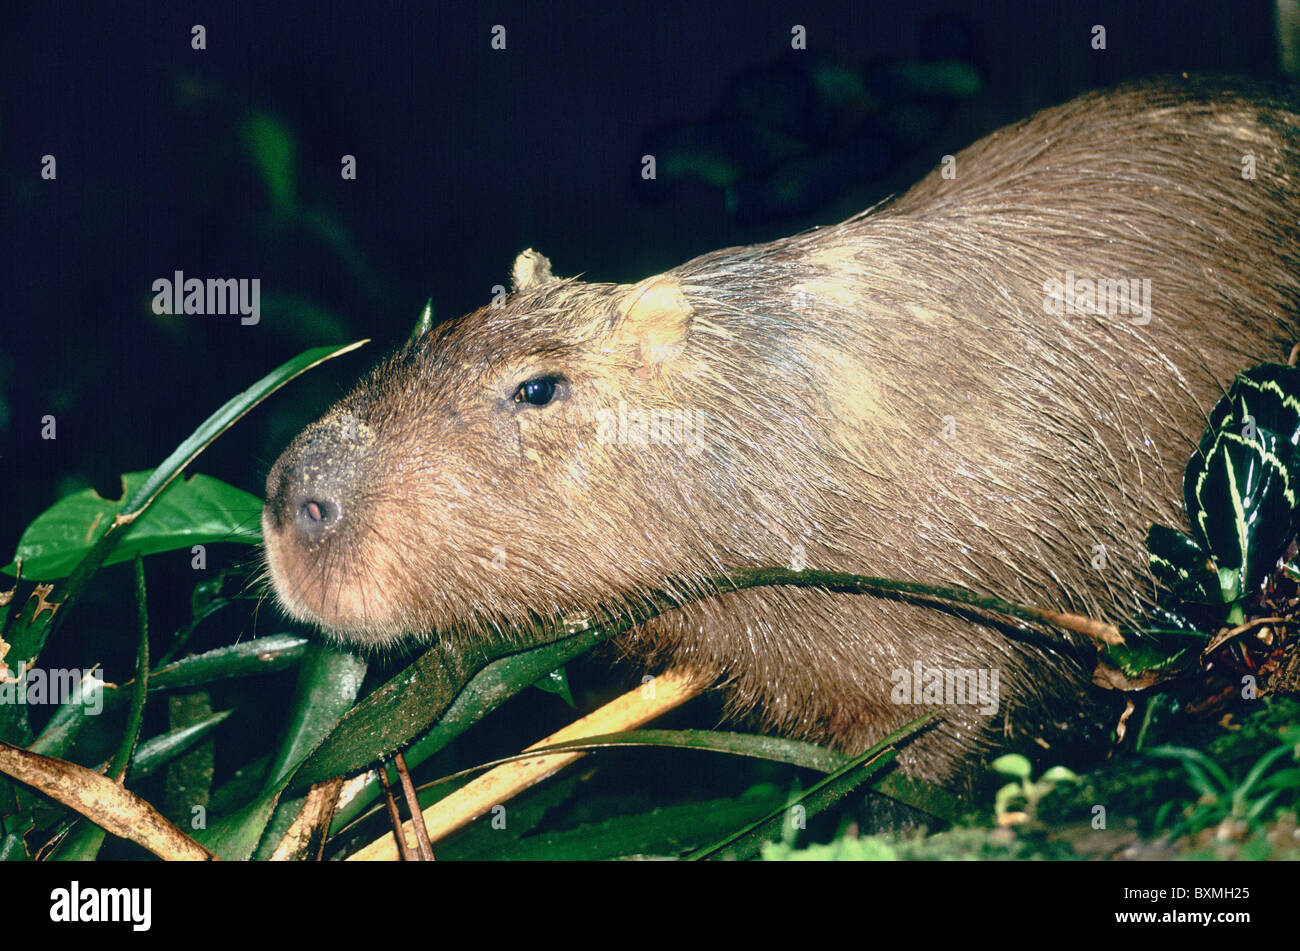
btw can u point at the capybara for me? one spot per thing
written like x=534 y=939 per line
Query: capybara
x=993 y=381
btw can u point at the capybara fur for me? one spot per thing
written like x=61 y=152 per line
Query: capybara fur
x=994 y=381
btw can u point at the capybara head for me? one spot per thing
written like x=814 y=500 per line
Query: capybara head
x=560 y=451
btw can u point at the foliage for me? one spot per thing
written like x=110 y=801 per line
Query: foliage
x=1240 y=489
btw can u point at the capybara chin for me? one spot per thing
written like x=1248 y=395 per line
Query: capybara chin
x=993 y=381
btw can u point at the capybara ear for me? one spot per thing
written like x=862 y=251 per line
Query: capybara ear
x=531 y=269
x=653 y=316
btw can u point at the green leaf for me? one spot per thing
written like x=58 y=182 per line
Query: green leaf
x=773 y=748
x=955 y=79
x=1059 y=774
x=234 y=837
x=747 y=842
x=557 y=682
x=1009 y=795
x=140 y=686
x=1157 y=648
x=1258 y=770
x=1013 y=764
x=272 y=148
x=199 y=510
x=669 y=830
x=81 y=844
x=12 y=848
x=424 y=323
x=29 y=640
x=1282 y=779
x=1256 y=810
x=1182 y=567
x=844 y=849
x=920 y=795
x=327 y=686
x=260 y=655
x=404 y=707
x=1240 y=488
x=453 y=690
x=1205 y=775
x=158 y=751
x=1270 y=394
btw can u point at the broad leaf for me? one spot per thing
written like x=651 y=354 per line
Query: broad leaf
x=199 y=510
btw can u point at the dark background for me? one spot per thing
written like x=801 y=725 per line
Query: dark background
x=466 y=155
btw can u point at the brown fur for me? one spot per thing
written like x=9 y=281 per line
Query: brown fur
x=887 y=396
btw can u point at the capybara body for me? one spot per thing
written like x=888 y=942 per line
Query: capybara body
x=922 y=392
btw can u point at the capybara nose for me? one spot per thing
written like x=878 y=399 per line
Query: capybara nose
x=305 y=498
x=315 y=516
x=310 y=489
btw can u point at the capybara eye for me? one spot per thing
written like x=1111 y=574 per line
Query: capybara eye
x=537 y=392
